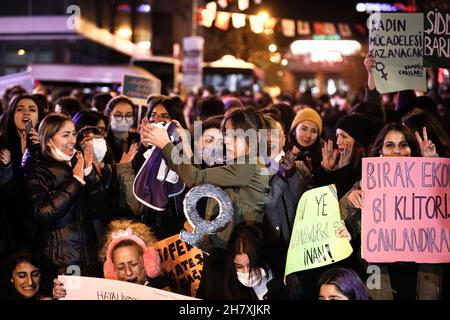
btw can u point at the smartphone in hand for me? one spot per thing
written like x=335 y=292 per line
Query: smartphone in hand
x=28 y=126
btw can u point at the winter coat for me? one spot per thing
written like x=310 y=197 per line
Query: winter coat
x=280 y=214
x=427 y=278
x=245 y=184
x=64 y=231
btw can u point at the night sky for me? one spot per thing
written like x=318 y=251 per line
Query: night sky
x=317 y=10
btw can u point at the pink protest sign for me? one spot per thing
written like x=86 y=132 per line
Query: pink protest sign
x=406 y=214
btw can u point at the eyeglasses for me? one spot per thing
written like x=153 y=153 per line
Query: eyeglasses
x=119 y=116
x=163 y=116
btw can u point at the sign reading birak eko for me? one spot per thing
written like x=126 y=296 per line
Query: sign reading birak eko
x=406 y=214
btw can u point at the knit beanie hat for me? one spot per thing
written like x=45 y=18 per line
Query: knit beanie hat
x=307 y=114
x=358 y=126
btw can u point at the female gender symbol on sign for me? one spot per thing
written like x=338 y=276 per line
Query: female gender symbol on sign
x=379 y=66
x=201 y=226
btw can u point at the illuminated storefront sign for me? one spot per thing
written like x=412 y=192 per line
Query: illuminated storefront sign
x=384 y=7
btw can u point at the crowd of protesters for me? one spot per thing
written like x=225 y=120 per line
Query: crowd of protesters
x=68 y=164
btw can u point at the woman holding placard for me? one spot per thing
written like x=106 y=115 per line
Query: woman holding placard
x=398 y=280
x=128 y=256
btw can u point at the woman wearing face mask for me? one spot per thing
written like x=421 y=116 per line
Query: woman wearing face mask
x=244 y=273
x=209 y=144
x=120 y=137
x=58 y=182
x=100 y=202
x=241 y=176
x=26 y=275
x=398 y=280
x=117 y=177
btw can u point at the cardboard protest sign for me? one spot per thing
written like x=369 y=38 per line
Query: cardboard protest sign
x=396 y=42
x=406 y=213
x=313 y=241
x=436 y=39
x=139 y=88
x=181 y=263
x=87 y=288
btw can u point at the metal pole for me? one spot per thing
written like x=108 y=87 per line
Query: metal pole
x=194 y=17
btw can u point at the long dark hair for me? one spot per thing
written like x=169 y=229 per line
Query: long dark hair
x=287 y=114
x=395 y=126
x=10 y=139
x=435 y=131
x=47 y=268
x=88 y=118
x=244 y=119
x=173 y=105
x=347 y=282
x=246 y=238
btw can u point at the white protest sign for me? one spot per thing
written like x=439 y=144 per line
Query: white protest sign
x=396 y=42
x=87 y=288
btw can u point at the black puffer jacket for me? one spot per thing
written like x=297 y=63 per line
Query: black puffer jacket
x=62 y=229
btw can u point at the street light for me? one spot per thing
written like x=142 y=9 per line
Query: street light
x=272 y=47
x=263 y=16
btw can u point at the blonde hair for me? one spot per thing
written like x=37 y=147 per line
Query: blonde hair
x=139 y=229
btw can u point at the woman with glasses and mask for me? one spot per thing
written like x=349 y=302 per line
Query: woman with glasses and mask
x=120 y=135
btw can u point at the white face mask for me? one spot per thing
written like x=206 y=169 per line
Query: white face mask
x=59 y=155
x=100 y=148
x=123 y=125
x=251 y=279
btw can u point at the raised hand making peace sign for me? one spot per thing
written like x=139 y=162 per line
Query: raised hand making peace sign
x=427 y=148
